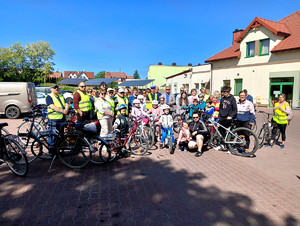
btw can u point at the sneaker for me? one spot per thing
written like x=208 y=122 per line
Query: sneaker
x=220 y=148
x=198 y=154
x=228 y=152
x=161 y=146
x=185 y=149
x=282 y=146
x=180 y=149
x=268 y=146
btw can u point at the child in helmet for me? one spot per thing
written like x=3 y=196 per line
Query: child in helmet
x=137 y=112
x=161 y=101
x=141 y=98
x=155 y=110
x=122 y=121
x=166 y=122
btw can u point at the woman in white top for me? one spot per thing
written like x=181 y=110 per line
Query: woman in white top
x=104 y=114
x=193 y=96
x=182 y=102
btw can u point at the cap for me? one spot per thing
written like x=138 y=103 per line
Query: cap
x=152 y=87
x=245 y=90
x=54 y=86
x=110 y=89
x=103 y=83
x=121 y=90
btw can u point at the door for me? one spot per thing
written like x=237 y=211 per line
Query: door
x=277 y=88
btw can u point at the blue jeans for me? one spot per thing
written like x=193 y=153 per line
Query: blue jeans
x=165 y=133
x=53 y=133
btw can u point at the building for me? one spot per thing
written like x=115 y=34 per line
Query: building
x=160 y=72
x=79 y=74
x=121 y=75
x=264 y=58
x=56 y=75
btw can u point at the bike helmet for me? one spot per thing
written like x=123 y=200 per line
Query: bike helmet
x=161 y=97
x=140 y=97
x=165 y=106
x=136 y=101
x=154 y=102
x=122 y=106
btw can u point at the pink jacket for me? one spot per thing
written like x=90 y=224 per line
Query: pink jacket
x=137 y=112
x=184 y=135
x=157 y=112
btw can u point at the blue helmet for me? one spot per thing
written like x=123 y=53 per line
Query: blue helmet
x=122 y=106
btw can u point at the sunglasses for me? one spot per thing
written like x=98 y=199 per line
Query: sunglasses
x=195 y=117
x=90 y=92
x=225 y=91
x=111 y=92
x=56 y=87
x=82 y=86
x=103 y=93
x=167 y=89
x=123 y=92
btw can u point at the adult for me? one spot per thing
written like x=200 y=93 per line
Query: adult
x=198 y=131
x=104 y=113
x=183 y=102
x=169 y=98
x=157 y=91
x=193 y=96
x=110 y=99
x=82 y=103
x=150 y=97
x=121 y=99
x=227 y=112
x=103 y=85
x=89 y=91
x=133 y=96
x=248 y=96
x=218 y=95
x=144 y=93
x=203 y=91
x=281 y=110
x=179 y=95
x=245 y=112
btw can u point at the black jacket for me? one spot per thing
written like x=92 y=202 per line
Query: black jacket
x=228 y=107
x=197 y=126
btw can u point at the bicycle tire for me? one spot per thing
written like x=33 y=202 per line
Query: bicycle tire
x=24 y=128
x=16 y=158
x=171 y=146
x=113 y=150
x=100 y=151
x=147 y=133
x=261 y=136
x=177 y=123
x=138 y=145
x=43 y=141
x=254 y=126
x=74 y=151
x=4 y=132
x=242 y=149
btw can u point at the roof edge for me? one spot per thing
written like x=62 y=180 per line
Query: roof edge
x=171 y=76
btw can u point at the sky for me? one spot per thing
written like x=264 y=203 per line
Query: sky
x=129 y=35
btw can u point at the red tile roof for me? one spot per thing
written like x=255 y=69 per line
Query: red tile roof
x=115 y=75
x=90 y=75
x=289 y=27
x=129 y=77
x=55 y=75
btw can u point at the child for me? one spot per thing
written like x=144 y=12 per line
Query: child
x=194 y=107
x=155 y=110
x=209 y=107
x=161 y=101
x=122 y=121
x=137 y=112
x=216 y=104
x=184 y=137
x=142 y=102
x=201 y=101
x=166 y=121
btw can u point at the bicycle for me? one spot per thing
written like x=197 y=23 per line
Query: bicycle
x=235 y=139
x=265 y=132
x=12 y=153
x=145 y=131
x=179 y=118
x=153 y=126
x=168 y=142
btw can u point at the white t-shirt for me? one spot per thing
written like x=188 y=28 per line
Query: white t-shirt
x=102 y=106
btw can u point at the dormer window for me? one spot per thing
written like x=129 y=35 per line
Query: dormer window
x=264 y=47
x=250 y=49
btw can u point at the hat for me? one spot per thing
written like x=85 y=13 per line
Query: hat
x=103 y=83
x=54 y=86
x=245 y=90
x=152 y=87
x=162 y=97
x=110 y=89
x=121 y=90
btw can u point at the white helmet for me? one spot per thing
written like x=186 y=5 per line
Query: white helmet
x=155 y=102
x=140 y=97
x=165 y=106
x=136 y=101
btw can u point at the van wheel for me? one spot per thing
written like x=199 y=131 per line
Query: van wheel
x=12 y=112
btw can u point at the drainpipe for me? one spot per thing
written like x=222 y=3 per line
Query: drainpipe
x=211 y=80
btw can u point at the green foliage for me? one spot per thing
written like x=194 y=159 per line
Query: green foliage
x=113 y=85
x=136 y=75
x=100 y=74
x=32 y=63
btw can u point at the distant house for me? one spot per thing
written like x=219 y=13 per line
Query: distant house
x=79 y=74
x=121 y=75
x=56 y=75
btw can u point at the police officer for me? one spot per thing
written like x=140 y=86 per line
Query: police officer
x=120 y=99
x=150 y=97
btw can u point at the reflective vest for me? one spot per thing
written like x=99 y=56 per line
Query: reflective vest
x=84 y=103
x=279 y=116
x=149 y=105
x=216 y=113
x=100 y=115
x=111 y=103
x=122 y=101
x=55 y=115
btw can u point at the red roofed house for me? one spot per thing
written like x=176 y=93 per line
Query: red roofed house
x=264 y=59
x=79 y=74
x=121 y=75
x=55 y=75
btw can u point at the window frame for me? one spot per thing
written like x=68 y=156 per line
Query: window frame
x=247 y=46
x=236 y=93
x=260 y=47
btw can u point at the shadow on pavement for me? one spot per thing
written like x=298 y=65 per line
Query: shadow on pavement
x=134 y=191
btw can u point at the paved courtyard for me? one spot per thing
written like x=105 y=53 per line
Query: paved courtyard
x=160 y=189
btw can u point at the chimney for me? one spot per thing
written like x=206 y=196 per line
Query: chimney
x=190 y=65
x=174 y=64
x=199 y=64
x=236 y=34
x=159 y=63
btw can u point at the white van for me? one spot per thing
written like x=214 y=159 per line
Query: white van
x=16 y=98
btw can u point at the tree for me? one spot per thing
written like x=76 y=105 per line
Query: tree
x=32 y=63
x=136 y=75
x=100 y=74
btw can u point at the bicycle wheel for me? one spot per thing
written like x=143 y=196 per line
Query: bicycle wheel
x=254 y=126
x=15 y=157
x=171 y=146
x=43 y=153
x=238 y=144
x=177 y=123
x=4 y=132
x=113 y=144
x=138 y=145
x=147 y=133
x=24 y=128
x=74 y=151
x=100 y=151
x=262 y=135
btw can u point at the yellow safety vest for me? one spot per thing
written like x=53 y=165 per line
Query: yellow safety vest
x=99 y=115
x=279 y=116
x=111 y=103
x=84 y=103
x=149 y=105
x=216 y=113
x=206 y=96
x=122 y=101
x=55 y=115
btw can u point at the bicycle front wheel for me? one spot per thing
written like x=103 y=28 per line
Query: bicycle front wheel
x=24 y=128
x=177 y=123
x=138 y=145
x=242 y=142
x=74 y=151
x=15 y=157
x=100 y=151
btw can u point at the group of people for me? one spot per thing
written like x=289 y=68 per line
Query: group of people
x=113 y=107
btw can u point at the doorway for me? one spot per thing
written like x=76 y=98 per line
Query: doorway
x=277 y=88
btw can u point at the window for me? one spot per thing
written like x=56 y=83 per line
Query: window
x=264 y=47
x=175 y=87
x=203 y=85
x=197 y=87
x=250 y=49
x=238 y=86
x=226 y=82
